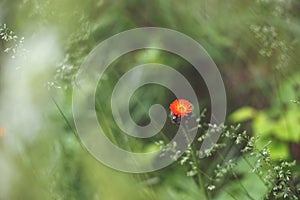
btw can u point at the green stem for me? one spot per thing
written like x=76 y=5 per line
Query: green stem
x=110 y=132
x=200 y=179
x=196 y=161
x=236 y=177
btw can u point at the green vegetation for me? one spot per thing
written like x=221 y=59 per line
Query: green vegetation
x=255 y=45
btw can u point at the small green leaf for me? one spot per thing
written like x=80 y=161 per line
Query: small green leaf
x=243 y=114
x=263 y=125
x=288 y=126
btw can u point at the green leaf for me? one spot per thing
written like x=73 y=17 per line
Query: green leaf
x=243 y=114
x=288 y=126
x=263 y=125
x=278 y=149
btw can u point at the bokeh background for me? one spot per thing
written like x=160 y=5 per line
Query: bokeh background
x=255 y=45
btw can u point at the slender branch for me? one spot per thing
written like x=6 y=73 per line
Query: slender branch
x=196 y=161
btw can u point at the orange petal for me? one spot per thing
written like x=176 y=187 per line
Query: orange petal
x=181 y=107
x=2 y=131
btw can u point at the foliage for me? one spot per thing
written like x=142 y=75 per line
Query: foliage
x=255 y=45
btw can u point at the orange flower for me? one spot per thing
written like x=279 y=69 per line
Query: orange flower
x=2 y=131
x=181 y=107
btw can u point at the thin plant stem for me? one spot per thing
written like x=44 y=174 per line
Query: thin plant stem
x=111 y=134
x=236 y=177
x=143 y=177
x=284 y=111
x=196 y=161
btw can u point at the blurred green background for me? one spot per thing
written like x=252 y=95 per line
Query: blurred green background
x=255 y=45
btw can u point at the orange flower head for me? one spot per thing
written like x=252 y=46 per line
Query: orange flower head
x=181 y=108
x=2 y=131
